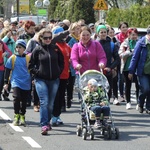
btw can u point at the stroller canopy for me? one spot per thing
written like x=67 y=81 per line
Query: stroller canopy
x=94 y=74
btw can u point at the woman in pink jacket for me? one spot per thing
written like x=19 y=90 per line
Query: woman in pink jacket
x=87 y=54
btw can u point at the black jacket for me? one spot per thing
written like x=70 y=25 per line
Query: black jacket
x=47 y=62
x=113 y=58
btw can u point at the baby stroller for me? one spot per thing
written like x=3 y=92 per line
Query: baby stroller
x=86 y=127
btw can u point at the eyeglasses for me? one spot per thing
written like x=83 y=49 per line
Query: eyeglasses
x=46 y=38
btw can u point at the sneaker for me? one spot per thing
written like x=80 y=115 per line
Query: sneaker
x=59 y=121
x=49 y=127
x=97 y=124
x=5 y=97
x=36 y=108
x=122 y=99
x=44 y=130
x=148 y=111
x=54 y=121
x=140 y=109
x=116 y=102
x=16 y=120
x=137 y=107
x=128 y=106
x=22 y=120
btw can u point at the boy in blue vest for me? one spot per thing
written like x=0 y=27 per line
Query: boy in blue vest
x=20 y=80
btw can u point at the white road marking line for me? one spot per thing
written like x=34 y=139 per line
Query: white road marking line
x=31 y=142
x=16 y=128
x=4 y=116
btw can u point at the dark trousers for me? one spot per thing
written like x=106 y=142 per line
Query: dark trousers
x=115 y=87
x=20 y=97
x=70 y=85
x=109 y=78
x=128 y=84
x=121 y=81
x=35 y=96
x=60 y=98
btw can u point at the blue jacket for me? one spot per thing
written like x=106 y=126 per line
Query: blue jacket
x=139 y=57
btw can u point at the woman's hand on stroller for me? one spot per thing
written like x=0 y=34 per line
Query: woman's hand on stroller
x=101 y=65
x=79 y=66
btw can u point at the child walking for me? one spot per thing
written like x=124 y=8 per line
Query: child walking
x=17 y=70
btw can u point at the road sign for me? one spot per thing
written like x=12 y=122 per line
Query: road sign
x=101 y=5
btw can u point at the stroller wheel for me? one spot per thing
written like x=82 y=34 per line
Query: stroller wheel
x=84 y=133
x=92 y=134
x=79 y=130
x=108 y=133
x=116 y=133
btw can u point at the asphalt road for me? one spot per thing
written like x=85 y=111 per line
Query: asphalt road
x=134 y=131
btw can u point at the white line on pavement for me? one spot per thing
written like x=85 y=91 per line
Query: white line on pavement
x=16 y=128
x=31 y=142
x=4 y=116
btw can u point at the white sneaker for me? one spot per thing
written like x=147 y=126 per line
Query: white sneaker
x=116 y=102
x=128 y=106
x=137 y=107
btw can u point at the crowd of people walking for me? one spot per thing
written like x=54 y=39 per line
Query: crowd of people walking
x=40 y=63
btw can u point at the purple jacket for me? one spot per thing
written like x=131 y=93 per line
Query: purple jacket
x=89 y=57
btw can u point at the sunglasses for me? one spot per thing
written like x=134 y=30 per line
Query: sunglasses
x=46 y=38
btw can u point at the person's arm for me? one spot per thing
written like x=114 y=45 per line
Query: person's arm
x=101 y=55
x=7 y=51
x=116 y=58
x=58 y=37
x=75 y=56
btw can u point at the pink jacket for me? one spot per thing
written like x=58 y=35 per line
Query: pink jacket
x=89 y=57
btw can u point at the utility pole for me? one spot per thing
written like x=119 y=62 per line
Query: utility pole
x=17 y=10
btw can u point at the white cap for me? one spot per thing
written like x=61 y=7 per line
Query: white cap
x=93 y=82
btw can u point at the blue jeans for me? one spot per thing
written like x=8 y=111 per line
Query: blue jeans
x=1 y=81
x=100 y=109
x=46 y=90
x=144 y=82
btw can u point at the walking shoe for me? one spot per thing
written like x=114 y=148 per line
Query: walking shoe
x=141 y=109
x=36 y=108
x=148 y=111
x=16 y=120
x=44 y=130
x=137 y=107
x=122 y=99
x=59 y=121
x=22 y=120
x=97 y=124
x=5 y=97
x=116 y=102
x=128 y=106
x=49 y=127
x=105 y=123
x=54 y=121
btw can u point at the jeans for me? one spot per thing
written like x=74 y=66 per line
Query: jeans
x=100 y=109
x=46 y=90
x=144 y=82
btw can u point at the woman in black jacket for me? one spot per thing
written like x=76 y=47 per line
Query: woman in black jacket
x=46 y=65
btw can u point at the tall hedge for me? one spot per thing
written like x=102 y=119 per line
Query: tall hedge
x=136 y=16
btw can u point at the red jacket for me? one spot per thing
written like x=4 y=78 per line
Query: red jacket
x=66 y=51
x=9 y=53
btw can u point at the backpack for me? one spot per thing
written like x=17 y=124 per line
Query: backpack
x=112 y=45
x=14 y=59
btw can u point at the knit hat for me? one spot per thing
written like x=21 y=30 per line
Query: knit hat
x=21 y=42
x=99 y=27
x=93 y=82
x=57 y=30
